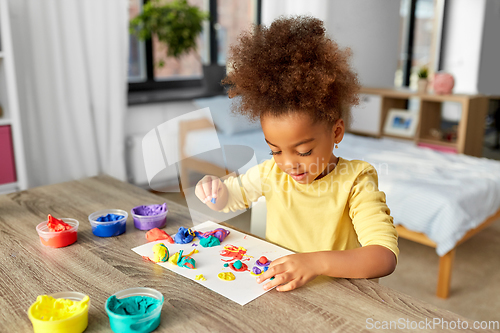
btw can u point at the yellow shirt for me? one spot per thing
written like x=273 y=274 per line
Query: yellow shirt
x=341 y=211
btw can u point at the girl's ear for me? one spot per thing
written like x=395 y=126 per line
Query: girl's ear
x=338 y=131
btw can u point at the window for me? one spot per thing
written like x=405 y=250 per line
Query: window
x=231 y=18
x=421 y=22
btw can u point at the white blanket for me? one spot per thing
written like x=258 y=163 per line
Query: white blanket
x=441 y=195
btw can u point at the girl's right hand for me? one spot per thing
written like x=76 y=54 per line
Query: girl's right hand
x=208 y=188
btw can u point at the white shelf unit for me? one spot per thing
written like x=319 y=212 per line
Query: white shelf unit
x=10 y=102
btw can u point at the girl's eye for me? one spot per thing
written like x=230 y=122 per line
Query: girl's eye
x=305 y=154
x=274 y=152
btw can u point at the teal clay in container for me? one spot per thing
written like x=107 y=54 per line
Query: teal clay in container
x=135 y=310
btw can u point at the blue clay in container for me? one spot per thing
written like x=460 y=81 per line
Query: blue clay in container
x=109 y=230
x=108 y=222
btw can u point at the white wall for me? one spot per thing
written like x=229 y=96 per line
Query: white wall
x=369 y=28
x=462 y=43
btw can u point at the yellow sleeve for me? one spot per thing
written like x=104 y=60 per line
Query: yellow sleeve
x=369 y=212
x=245 y=188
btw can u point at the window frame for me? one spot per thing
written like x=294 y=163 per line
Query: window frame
x=151 y=85
x=410 y=39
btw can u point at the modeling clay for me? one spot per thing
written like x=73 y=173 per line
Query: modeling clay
x=109 y=218
x=226 y=264
x=150 y=210
x=233 y=252
x=56 y=225
x=158 y=234
x=132 y=305
x=48 y=308
x=184 y=236
x=174 y=258
x=256 y=271
x=109 y=229
x=200 y=277
x=187 y=262
x=220 y=233
x=238 y=266
x=183 y=261
x=226 y=276
x=161 y=252
x=209 y=241
x=266 y=268
x=262 y=262
x=213 y=200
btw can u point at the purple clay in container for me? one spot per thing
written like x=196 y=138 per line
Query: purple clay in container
x=148 y=217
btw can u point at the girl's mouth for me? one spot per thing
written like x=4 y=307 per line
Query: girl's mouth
x=299 y=176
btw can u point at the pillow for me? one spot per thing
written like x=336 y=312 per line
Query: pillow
x=224 y=120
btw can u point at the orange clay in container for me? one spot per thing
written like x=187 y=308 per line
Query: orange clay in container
x=58 y=238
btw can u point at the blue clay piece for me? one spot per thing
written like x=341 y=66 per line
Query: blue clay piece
x=109 y=218
x=110 y=230
x=183 y=236
x=265 y=268
x=213 y=200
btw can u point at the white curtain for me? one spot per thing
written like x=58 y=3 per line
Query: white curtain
x=71 y=59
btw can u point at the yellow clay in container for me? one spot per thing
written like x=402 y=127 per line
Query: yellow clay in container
x=65 y=312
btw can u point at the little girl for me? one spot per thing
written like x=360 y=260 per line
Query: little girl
x=299 y=84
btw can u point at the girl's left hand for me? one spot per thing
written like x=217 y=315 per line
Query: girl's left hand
x=290 y=272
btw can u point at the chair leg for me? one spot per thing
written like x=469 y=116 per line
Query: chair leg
x=444 y=275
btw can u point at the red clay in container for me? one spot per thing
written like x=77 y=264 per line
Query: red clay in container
x=58 y=238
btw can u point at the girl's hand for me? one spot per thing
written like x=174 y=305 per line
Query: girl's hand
x=208 y=188
x=290 y=272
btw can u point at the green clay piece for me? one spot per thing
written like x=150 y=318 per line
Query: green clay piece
x=209 y=241
x=187 y=262
x=226 y=265
x=272 y=278
x=237 y=264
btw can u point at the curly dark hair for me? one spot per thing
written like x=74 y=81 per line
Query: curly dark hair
x=289 y=67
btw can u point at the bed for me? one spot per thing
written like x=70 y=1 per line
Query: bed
x=436 y=199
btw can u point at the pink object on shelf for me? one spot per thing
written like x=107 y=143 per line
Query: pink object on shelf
x=443 y=83
x=7 y=165
x=438 y=148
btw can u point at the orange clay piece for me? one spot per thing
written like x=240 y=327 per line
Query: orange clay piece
x=157 y=234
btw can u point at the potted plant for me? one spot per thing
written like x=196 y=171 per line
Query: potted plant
x=177 y=25
x=422 y=79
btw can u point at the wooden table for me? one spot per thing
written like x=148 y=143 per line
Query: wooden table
x=100 y=267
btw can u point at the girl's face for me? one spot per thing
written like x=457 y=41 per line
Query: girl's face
x=301 y=148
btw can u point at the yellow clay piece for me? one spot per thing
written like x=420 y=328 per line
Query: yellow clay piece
x=226 y=276
x=47 y=308
x=200 y=277
x=174 y=258
x=160 y=252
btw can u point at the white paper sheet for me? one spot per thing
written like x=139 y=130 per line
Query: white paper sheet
x=210 y=263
